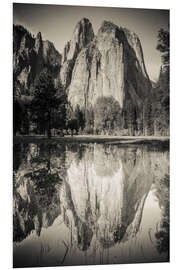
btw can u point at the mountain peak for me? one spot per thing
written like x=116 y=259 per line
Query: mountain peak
x=107 y=26
x=38 y=42
x=114 y=67
x=83 y=31
x=39 y=36
x=84 y=20
x=83 y=34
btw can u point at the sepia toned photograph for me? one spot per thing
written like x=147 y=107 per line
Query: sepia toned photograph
x=90 y=135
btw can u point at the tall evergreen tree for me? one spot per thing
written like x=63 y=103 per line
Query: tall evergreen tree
x=163 y=45
x=46 y=103
x=161 y=104
x=79 y=116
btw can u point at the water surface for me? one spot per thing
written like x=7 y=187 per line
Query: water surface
x=78 y=204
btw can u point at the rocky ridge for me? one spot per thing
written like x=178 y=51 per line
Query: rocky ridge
x=83 y=34
x=108 y=64
x=30 y=56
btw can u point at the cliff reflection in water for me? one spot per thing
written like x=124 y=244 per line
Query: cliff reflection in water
x=90 y=204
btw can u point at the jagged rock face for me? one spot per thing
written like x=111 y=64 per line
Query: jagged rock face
x=30 y=56
x=50 y=55
x=39 y=53
x=23 y=59
x=111 y=65
x=82 y=35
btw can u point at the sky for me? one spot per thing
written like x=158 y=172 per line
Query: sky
x=56 y=24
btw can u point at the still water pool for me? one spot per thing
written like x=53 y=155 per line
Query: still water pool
x=77 y=204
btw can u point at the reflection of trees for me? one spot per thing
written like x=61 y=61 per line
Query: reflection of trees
x=36 y=188
x=162 y=235
x=19 y=153
x=106 y=160
x=74 y=152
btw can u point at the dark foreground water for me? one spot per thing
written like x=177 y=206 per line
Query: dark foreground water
x=79 y=204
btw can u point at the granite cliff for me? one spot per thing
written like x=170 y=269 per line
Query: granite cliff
x=112 y=64
x=83 y=34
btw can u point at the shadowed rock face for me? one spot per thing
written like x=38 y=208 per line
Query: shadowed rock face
x=111 y=65
x=30 y=56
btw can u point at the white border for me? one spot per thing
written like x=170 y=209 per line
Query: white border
x=6 y=126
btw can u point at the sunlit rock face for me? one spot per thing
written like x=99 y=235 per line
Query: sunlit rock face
x=103 y=196
x=82 y=35
x=112 y=64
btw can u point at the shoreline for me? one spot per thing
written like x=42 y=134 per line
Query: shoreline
x=95 y=139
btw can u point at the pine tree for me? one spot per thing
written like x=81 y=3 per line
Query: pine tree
x=79 y=116
x=46 y=103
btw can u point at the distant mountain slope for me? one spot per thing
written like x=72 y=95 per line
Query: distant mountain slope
x=30 y=56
